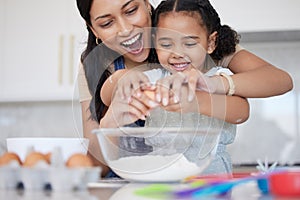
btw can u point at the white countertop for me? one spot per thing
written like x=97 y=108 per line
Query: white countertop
x=119 y=189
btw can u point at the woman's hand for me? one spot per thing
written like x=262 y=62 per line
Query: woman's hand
x=124 y=111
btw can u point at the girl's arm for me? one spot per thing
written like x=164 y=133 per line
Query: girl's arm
x=109 y=86
x=128 y=82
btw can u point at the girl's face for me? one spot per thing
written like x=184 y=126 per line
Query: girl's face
x=123 y=26
x=181 y=43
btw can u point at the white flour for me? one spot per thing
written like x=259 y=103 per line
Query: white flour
x=152 y=168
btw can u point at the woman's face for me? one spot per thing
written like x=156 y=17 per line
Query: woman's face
x=181 y=42
x=123 y=26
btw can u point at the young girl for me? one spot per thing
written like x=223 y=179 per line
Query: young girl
x=183 y=38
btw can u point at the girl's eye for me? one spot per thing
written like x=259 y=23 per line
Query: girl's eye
x=131 y=10
x=165 y=45
x=190 y=44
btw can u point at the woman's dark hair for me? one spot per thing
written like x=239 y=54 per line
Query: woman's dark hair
x=227 y=38
x=96 y=60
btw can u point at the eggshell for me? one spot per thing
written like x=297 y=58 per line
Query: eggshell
x=79 y=160
x=7 y=157
x=150 y=94
x=33 y=158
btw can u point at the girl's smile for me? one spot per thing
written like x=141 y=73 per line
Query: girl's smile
x=181 y=42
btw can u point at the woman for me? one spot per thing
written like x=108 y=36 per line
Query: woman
x=122 y=26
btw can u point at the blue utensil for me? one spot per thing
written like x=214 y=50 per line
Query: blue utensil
x=213 y=188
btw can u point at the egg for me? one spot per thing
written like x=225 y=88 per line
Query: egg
x=48 y=157
x=8 y=157
x=33 y=158
x=150 y=94
x=79 y=160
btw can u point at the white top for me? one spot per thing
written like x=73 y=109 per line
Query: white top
x=156 y=74
x=221 y=162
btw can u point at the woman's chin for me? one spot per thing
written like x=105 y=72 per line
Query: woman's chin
x=138 y=55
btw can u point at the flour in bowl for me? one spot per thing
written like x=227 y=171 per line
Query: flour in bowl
x=156 y=168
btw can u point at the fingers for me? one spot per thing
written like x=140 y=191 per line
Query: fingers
x=171 y=86
x=123 y=112
x=192 y=84
x=177 y=81
x=163 y=87
x=138 y=109
x=147 y=98
x=132 y=82
x=140 y=105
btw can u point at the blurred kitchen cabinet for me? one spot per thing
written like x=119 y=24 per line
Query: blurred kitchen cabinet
x=257 y=15
x=1 y=42
x=41 y=42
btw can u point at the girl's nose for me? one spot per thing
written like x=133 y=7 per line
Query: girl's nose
x=125 y=28
x=177 y=52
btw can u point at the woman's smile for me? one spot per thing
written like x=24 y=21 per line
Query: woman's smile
x=134 y=45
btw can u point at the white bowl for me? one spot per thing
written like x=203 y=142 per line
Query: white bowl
x=68 y=146
x=157 y=154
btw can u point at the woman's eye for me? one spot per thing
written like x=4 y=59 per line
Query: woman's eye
x=131 y=10
x=106 y=24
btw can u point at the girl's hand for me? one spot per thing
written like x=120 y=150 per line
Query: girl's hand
x=171 y=86
x=132 y=83
x=196 y=80
x=184 y=105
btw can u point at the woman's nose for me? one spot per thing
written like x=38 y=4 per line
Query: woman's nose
x=125 y=28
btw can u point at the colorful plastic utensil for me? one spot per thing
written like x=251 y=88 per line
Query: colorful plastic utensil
x=158 y=191
x=285 y=183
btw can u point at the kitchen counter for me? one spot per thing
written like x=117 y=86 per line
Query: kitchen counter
x=121 y=190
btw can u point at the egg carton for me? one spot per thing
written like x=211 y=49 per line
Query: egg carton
x=43 y=177
x=10 y=175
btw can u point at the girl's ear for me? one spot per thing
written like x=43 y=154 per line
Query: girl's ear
x=212 y=42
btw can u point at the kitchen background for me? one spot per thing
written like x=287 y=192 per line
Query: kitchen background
x=40 y=45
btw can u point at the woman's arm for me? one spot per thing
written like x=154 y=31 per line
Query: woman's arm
x=255 y=78
x=232 y=109
x=94 y=151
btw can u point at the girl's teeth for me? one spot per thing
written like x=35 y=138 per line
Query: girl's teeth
x=180 y=65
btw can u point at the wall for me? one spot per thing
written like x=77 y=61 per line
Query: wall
x=273 y=130
x=257 y=15
x=39 y=119
x=244 y=16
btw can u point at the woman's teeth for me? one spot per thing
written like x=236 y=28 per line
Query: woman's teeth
x=131 y=41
